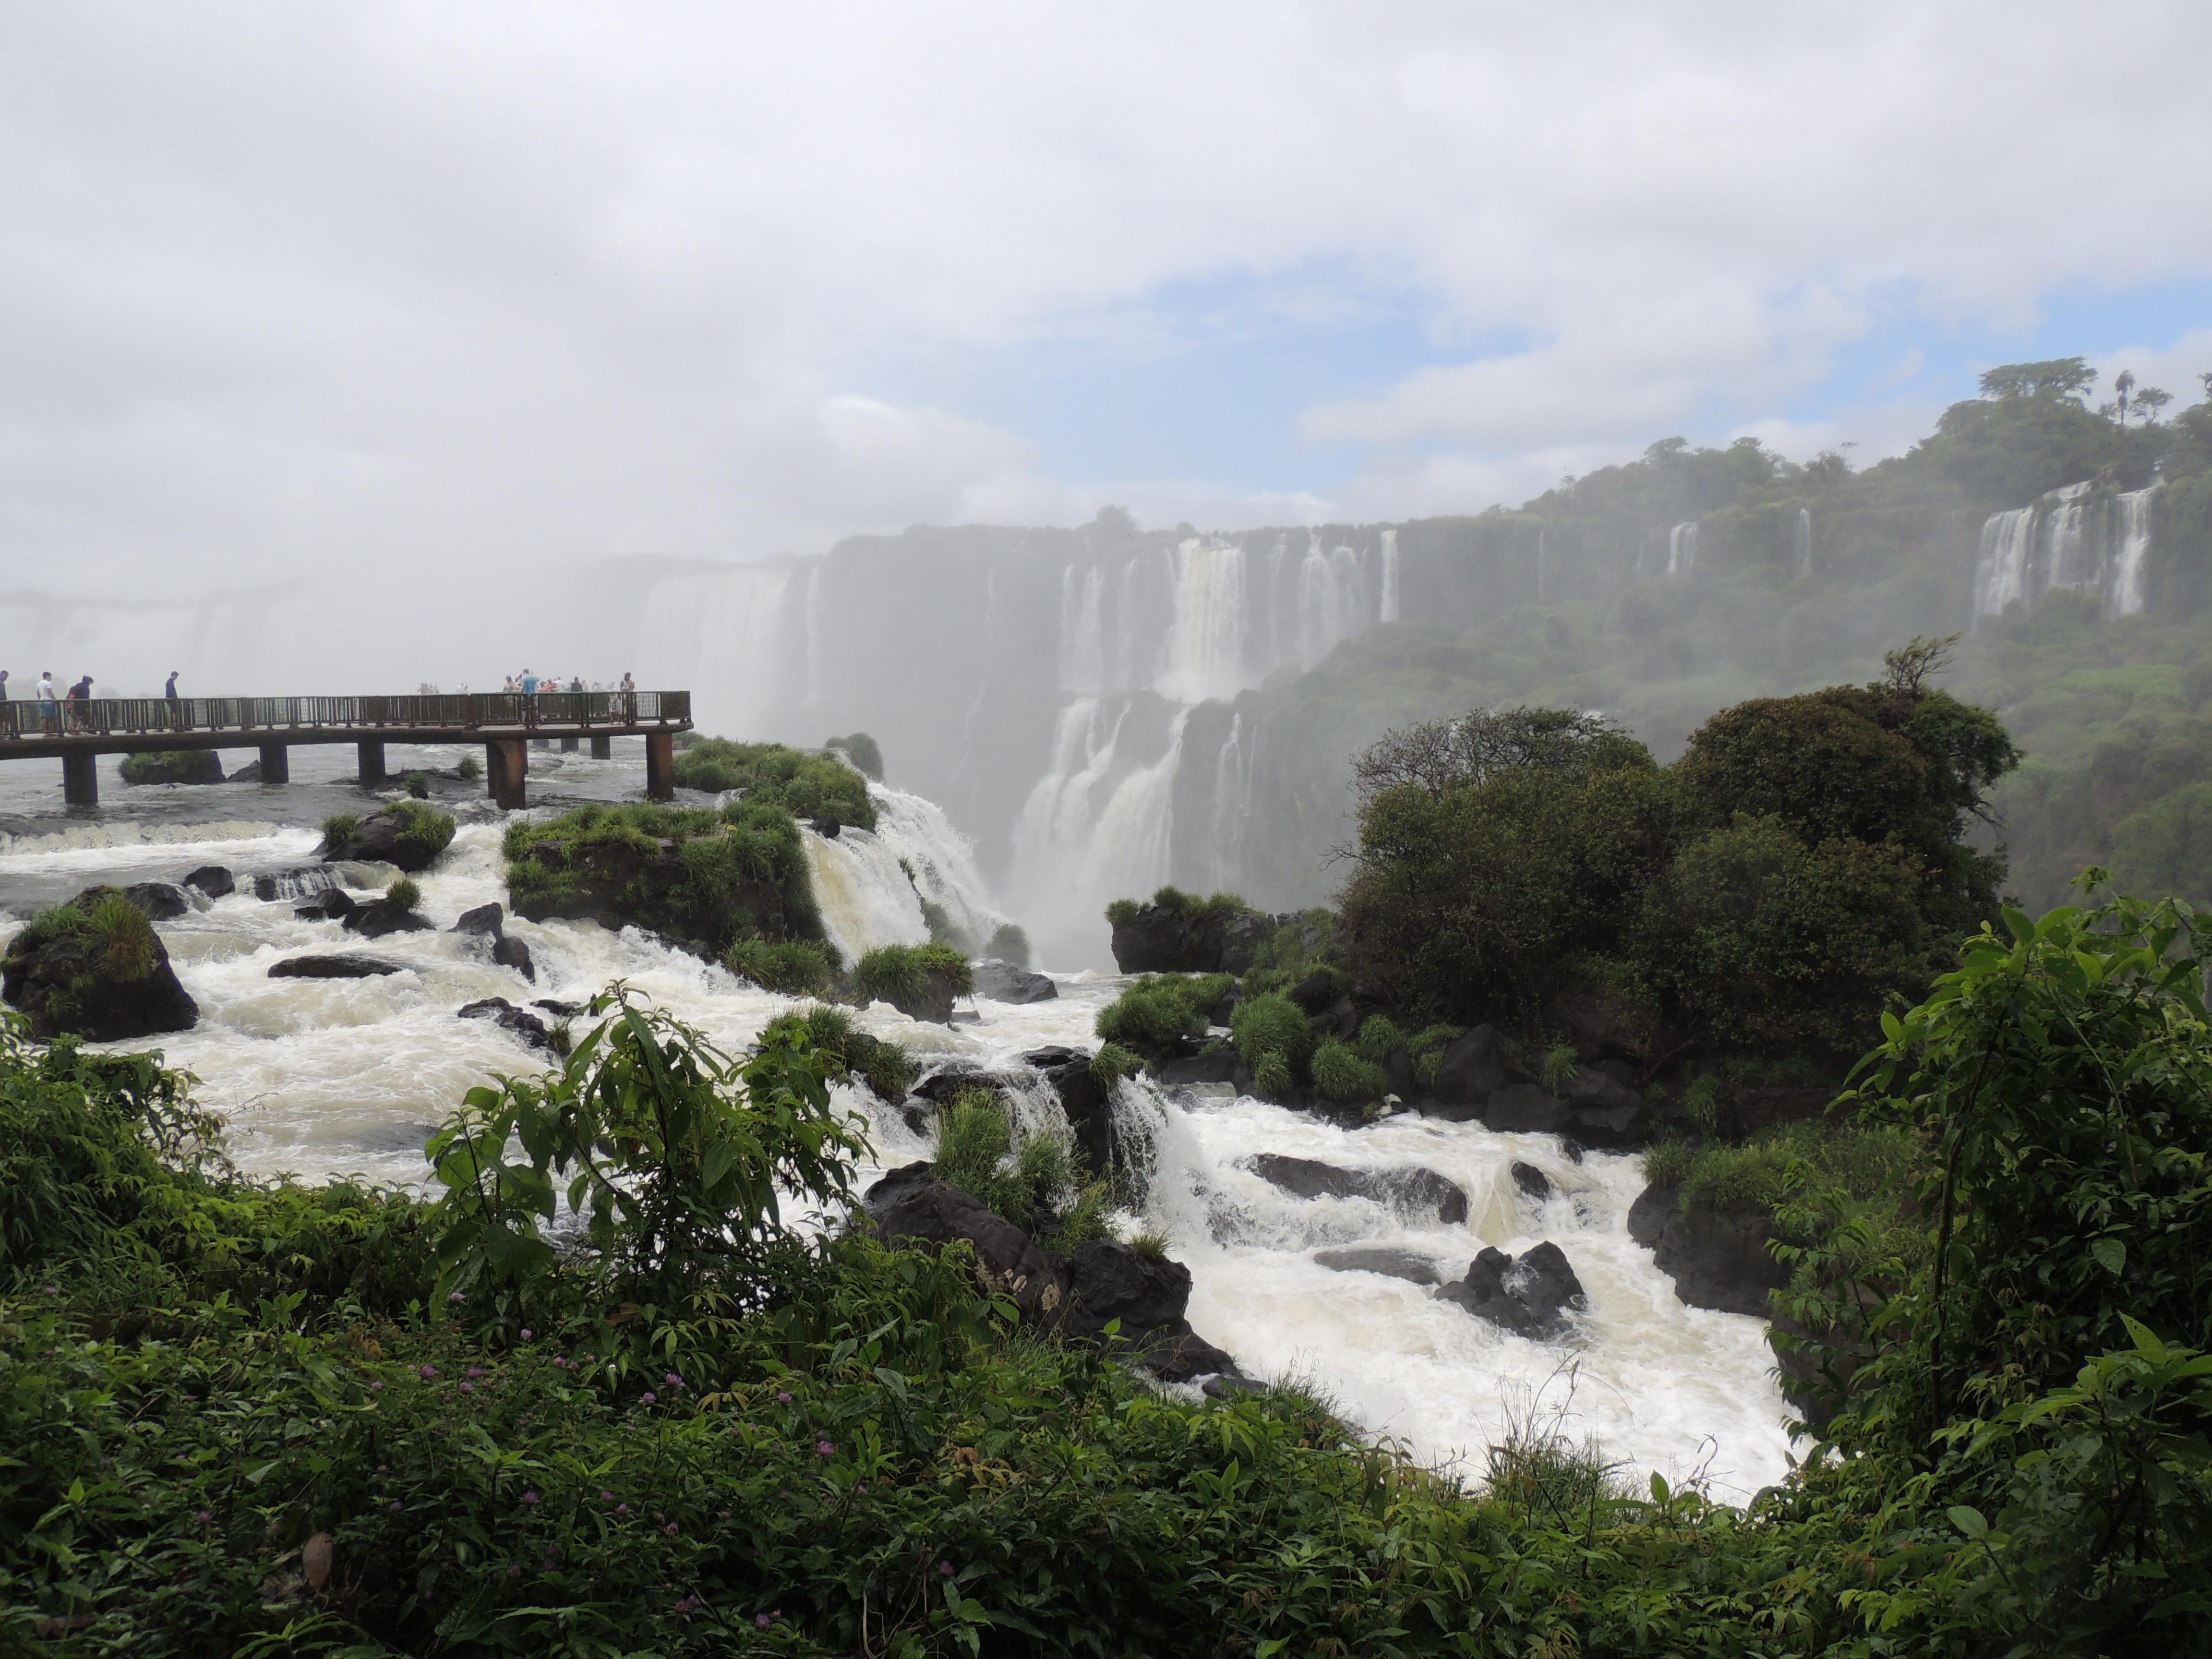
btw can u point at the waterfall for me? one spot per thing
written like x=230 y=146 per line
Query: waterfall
x=2126 y=590
x=1801 y=549
x=2071 y=538
x=1082 y=631
x=1206 y=640
x=1389 y=611
x=1232 y=807
x=1682 y=550
x=940 y=861
x=1541 y=594
x=864 y=898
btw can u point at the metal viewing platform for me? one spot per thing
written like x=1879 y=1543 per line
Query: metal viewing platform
x=505 y=722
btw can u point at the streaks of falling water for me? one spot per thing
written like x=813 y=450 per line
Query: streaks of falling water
x=2126 y=588
x=1800 y=546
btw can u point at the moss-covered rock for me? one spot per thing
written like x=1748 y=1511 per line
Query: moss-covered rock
x=920 y=981
x=407 y=833
x=173 y=766
x=1177 y=932
x=94 y=968
x=824 y=786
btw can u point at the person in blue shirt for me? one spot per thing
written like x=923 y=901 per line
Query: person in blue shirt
x=529 y=683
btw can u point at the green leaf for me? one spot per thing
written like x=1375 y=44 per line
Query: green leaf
x=2111 y=1253
x=1968 y=1520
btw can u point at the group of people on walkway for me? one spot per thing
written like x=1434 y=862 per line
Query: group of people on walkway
x=55 y=706
x=529 y=685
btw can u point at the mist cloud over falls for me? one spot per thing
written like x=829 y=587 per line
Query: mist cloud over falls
x=348 y=304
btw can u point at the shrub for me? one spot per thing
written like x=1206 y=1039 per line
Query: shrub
x=791 y=967
x=404 y=894
x=822 y=786
x=429 y=832
x=468 y=767
x=1341 y=1076
x=1159 y=1009
x=1113 y=1063
x=1271 y=1024
x=1428 y=1049
x=863 y=751
x=901 y=974
x=1271 y=1077
x=833 y=1033
x=1009 y=944
x=339 y=827
x=1702 y=1100
x=1562 y=1065
x=417 y=784
x=1379 y=1038
x=1668 y=1162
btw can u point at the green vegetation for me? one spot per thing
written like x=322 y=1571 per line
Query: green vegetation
x=404 y=894
x=417 y=785
x=1113 y=1063
x=1009 y=944
x=1041 y=1187
x=911 y=976
x=1187 y=905
x=339 y=827
x=1157 y=1011
x=845 y=1049
x=863 y=751
x=258 y=1418
x=704 y=876
x=1342 y=1076
x=118 y=940
x=427 y=832
x=1272 y=1025
x=794 y=967
x=804 y=785
x=468 y=768
x=1806 y=859
x=172 y=766
x=943 y=930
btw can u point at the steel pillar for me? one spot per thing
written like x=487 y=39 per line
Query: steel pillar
x=660 y=765
x=507 y=767
x=372 y=760
x=568 y=745
x=603 y=748
x=276 y=762
x=81 y=779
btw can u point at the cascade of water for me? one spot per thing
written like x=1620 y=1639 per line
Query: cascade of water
x=2069 y=559
x=1682 y=550
x=1541 y=594
x=865 y=898
x=1232 y=806
x=814 y=633
x=2001 y=573
x=1206 y=640
x=1082 y=630
x=940 y=861
x=1389 y=607
x=1801 y=549
x=730 y=636
x=2126 y=588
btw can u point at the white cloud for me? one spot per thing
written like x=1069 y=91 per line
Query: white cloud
x=427 y=288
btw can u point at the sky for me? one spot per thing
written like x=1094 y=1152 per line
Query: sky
x=303 y=298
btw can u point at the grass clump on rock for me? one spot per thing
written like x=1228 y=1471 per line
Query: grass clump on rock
x=404 y=895
x=824 y=786
x=173 y=766
x=94 y=968
x=1342 y=1076
x=1160 y=1009
x=833 y=1033
x=920 y=981
x=795 y=967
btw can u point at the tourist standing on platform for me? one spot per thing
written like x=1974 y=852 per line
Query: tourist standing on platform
x=529 y=683
x=628 y=696
x=49 y=712
x=176 y=707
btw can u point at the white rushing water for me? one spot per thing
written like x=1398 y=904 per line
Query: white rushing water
x=319 y=1078
x=2075 y=537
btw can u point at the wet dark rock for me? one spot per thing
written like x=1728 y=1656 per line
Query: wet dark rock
x=1525 y=1109
x=1108 y=1281
x=67 y=984
x=1318 y=994
x=1472 y=1069
x=513 y=953
x=331 y=904
x=337 y=965
x=828 y=829
x=946 y=1080
x=1380 y=1259
x=1414 y=1192
x=294 y=884
x=486 y=920
x=1611 y=1129
x=173 y=766
x=1530 y=1295
x=1007 y=1258
x=895 y=1184
x=380 y=917
x=1055 y=1054
x=509 y=1018
x=1088 y=1104
x=1003 y=981
x=1594 y=1086
x=213 y=879
x=1232 y=1385
x=1649 y=1215
x=1189 y=1359
x=1532 y=1181
x=557 y=1008
x=1717 y=1257
x=1214 y=1065
x=386 y=838
x=156 y=901
x=1168 y=939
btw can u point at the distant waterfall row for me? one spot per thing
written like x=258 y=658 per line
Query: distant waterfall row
x=2081 y=538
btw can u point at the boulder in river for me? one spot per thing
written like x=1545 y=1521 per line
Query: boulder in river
x=331 y=904
x=337 y=964
x=295 y=884
x=1188 y=936
x=1413 y=1192
x=1380 y=1259
x=1526 y=1109
x=509 y=1018
x=407 y=834
x=1003 y=981
x=213 y=879
x=486 y=920
x=1215 y=1064
x=156 y=901
x=513 y=953
x=249 y=773
x=379 y=918
x=1086 y=1101
x=1008 y=1259
x=94 y=968
x=1530 y=1295
x=1532 y=1181
x=1716 y=1255
x=173 y=766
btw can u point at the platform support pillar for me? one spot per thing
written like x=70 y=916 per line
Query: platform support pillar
x=372 y=760
x=81 y=779
x=603 y=748
x=568 y=745
x=276 y=762
x=660 y=765
x=506 y=766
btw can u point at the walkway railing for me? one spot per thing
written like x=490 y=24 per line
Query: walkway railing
x=250 y=717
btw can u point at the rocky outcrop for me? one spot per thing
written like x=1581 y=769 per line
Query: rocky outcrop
x=156 y=901
x=1216 y=1064
x=1472 y=1069
x=331 y=904
x=520 y=1022
x=1380 y=1259
x=337 y=964
x=249 y=773
x=1007 y=1258
x=72 y=975
x=1716 y=1255
x=1531 y=1295
x=486 y=920
x=173 y=766
x=380 y=917
x=1532 y=1181
x=513 y=953
x=404 y=834
x=1003 y=981
x=1087 y=1102
x=1416 y=1193
x=1526 y=1109
x=1189 y=938
x=213 y=879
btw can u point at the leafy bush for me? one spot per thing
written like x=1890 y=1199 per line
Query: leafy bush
x=429 y=832
x=1271 y=1079
x=901 y=975
x=404 y=894
x=836 y=1036
x=863 y=751
x=1271 y=1024
x=339 y=827
x=417 y=784
x=1153 y=1014
x=468 y=767
x=798 y=968
x=1428 y=1049
x=1379 y=1038
x=1342 y=1076
x=822 y=786
x=1009 y=944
